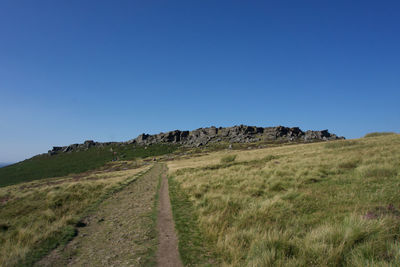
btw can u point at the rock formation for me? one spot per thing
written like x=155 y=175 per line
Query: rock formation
x=205 y=136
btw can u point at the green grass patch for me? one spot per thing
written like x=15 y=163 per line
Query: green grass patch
x=193 y=248
x=45 y=166
x=58 y=238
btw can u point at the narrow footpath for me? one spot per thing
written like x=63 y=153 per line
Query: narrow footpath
x=120 y=233
x=167 y=253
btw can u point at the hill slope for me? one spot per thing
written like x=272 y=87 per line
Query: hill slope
x=44 y=166
x=76 y=158
x=37 y=216
x=323 y=204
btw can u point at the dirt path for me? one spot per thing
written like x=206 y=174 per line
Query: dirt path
x=167 y=253
x=120 y=233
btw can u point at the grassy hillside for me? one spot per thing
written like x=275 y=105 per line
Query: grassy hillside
x=36 y=216
x=323 y=204
x=44 y=166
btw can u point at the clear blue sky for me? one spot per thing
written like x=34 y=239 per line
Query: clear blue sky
x=110 y=70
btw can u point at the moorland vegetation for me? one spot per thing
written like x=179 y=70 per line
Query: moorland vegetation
x=322 y=204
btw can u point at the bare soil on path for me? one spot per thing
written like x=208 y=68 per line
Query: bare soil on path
x=120 y=233
x=167 y=253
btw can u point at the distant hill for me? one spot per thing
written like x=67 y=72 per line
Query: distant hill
x=3 y=164
x=77 y=158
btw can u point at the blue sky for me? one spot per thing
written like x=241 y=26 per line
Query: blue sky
x=110 y=70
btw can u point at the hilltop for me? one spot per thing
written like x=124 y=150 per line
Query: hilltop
x=212 y=135
x=76 y=158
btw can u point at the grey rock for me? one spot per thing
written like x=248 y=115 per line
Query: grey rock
x=204 y=136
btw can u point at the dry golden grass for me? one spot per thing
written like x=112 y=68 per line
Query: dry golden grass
x=32 y=212
x=322 y=204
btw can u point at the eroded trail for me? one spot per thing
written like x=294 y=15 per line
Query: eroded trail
x=167 y=253
x=120 y=233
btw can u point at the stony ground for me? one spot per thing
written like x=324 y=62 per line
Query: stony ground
x=119 y=233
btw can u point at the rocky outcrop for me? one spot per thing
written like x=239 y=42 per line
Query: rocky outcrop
x=206 y=136
x=235 y=134
x=78 y=147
